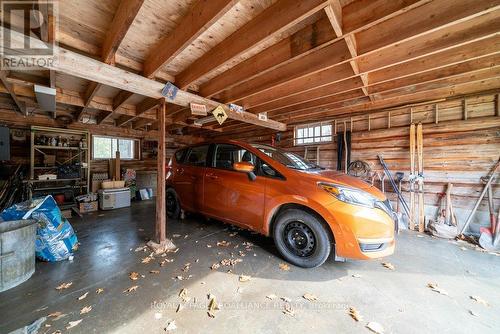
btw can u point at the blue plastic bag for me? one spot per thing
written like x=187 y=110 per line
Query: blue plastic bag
x=55 y=238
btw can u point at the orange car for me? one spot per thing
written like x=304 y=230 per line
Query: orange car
x=306 y=209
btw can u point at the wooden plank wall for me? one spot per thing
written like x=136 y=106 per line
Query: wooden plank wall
x=456 y=149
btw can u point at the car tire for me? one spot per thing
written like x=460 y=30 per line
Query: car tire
x=302 y=238
x=173 y=205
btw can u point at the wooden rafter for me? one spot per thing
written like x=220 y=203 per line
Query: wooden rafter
x=202 y=15
x=122 y=21
x=271 y=22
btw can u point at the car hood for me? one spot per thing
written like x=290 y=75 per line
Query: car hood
x=339 y=178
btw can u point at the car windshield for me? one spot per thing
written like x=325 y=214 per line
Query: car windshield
x=290 y=160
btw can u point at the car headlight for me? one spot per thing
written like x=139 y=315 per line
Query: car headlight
x=349 y=195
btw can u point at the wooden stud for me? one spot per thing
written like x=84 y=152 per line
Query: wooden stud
x=351 y=123
x=161 y=210
x=411 y=115
x=465 y=109
x=335 y=127
x=497 y=104
x=389 y=120
x=369 y=122
x=436 y=113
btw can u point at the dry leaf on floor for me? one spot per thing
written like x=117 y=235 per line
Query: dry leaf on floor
x=212 y=307
x=473 y=313
x=83 y=296
x=284 y=267
x=72 y=324
x=355 y=314
x=310 y=297
x=100 y=290
x=142 y=248
x=223 y=243
x=215 y=266
x=184 y=295
x=164 y=262
x=245 y=278
x=134 y=276
x=132 y=288
x=286 y=299
x=176 y=235
x=186 y=267
x=86 y=309
x=147 y=259
x=171 y=326
x=479 y=300
x=64 y=286
x=271 y=296
x=288 y=310
x=434 y=287
x=356 y=275
x=56 y=315
x=375 y=327
x=154 y=271
x=388 y=265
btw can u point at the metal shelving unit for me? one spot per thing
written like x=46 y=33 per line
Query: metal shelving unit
x=73 y=155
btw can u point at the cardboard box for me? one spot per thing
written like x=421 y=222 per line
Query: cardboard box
x=88 y=207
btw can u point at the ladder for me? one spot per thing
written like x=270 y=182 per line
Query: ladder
x=312 y=154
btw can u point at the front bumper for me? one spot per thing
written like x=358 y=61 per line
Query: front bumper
x=363 y=233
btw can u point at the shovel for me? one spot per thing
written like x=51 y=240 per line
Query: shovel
x=490 y=238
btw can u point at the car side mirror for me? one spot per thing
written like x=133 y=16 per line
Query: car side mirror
x=245 y=167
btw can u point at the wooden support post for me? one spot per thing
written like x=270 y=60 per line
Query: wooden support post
x=369 y=125
x=464 y=105
x=411 y=115
x=351 y=124
x=161 y=243
x=436 y=113
x=161 y=212
x=389 y=120
x=335 y=127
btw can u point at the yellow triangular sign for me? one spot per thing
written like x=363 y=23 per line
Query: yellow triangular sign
x=219 y=114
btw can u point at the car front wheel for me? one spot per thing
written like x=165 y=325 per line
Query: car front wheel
x=173 y=206
x=302 y=238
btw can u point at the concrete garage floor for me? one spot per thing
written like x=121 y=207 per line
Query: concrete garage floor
x=397 y=299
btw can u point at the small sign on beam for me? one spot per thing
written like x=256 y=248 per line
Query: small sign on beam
x=169 y=91
x=235 y=108
x=219 y=114
x=198 y=109
x=263 y=116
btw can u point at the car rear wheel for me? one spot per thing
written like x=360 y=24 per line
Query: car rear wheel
x=302 y=238
x=173 y=206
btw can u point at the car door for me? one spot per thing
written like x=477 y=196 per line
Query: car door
x=231 y=195
x=188 y=181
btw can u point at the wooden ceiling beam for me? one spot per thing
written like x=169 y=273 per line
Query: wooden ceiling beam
x=202 y=16
x=270 y=23
x=87 y=68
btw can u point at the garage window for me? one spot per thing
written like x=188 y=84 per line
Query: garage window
x=105 y=148
x=313 y=133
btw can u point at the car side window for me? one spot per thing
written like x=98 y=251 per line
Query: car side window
x=226 y=155
x=197 y=156
x=179 y=155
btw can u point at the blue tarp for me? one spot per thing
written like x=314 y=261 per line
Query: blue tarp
x=55 y=238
